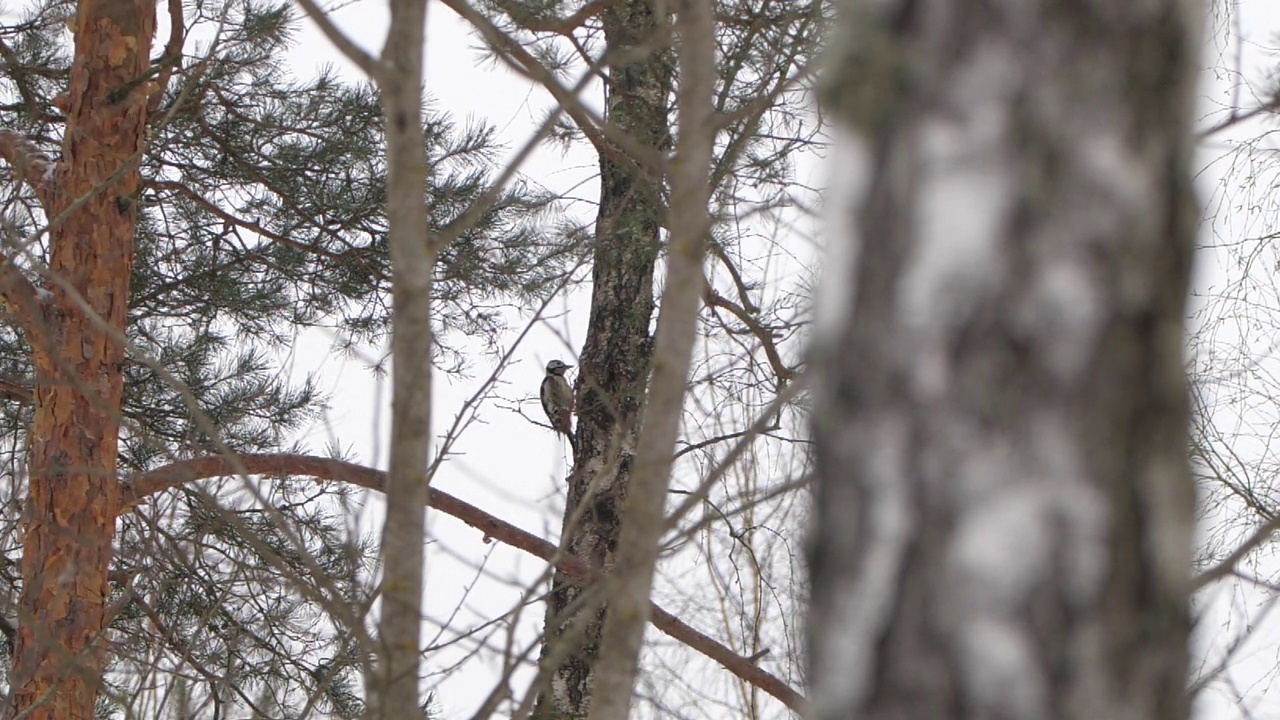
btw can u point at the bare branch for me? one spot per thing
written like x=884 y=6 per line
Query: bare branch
x=23 y=301
x=763 y=334
x=1228 y=564
x=172 y=56
x=17 y=392
x=143 y=486
x=1238 y=116
x=607 y=138
x=353 y=52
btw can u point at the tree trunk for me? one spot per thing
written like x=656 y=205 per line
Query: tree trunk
x=631 y=582
x=394 y=694
x=69 y=517
x=615 y=358
x=1004 y=505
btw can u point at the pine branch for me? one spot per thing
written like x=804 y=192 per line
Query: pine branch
x=34 y=109
x=172 y=56
x=142 y=486
x=24 y=301
x=559 y=26
x=29 y=162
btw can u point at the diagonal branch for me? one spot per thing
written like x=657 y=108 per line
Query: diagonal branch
x=23 y=300
x=607 y=138
x=1228 y=565
x=143 y=486
x=172 y=57
x=35 y=110
x=363 y=60
x=762 y=333
x=29 y=163
x=252 y=226
x=559 y=26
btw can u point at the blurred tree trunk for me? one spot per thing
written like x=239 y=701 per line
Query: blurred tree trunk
x=615 y=358
x=1004 y=506
x=71 y=507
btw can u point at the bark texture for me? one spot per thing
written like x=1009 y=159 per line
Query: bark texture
x=688 y=226
x=1004 y=506
x=394 y=693
x=70 y=511
x=615 y=357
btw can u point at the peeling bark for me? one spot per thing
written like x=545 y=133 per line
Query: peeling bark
x=69 y=517
x=615 y=357
x=1004 y=505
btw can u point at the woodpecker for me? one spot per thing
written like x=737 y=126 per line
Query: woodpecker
x=557 y=397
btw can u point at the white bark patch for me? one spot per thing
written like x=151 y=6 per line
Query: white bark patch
x=1002 y=674
x=848 y=179
x=1118 y=173
x=966 y=185
x=1029 y=521
x=1171 y=505
x=1079 y=508
x=1031 y=488
x=865 y=600
x=560 y=693
x=1002 y=550
x=1064 y=315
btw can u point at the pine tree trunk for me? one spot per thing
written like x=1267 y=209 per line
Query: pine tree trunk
x=69 y=517
x=1004 y=504
x=615 y=357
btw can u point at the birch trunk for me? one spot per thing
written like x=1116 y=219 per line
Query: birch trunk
x=1004 y=507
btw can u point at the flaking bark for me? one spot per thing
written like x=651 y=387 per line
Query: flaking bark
x=70 y=511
